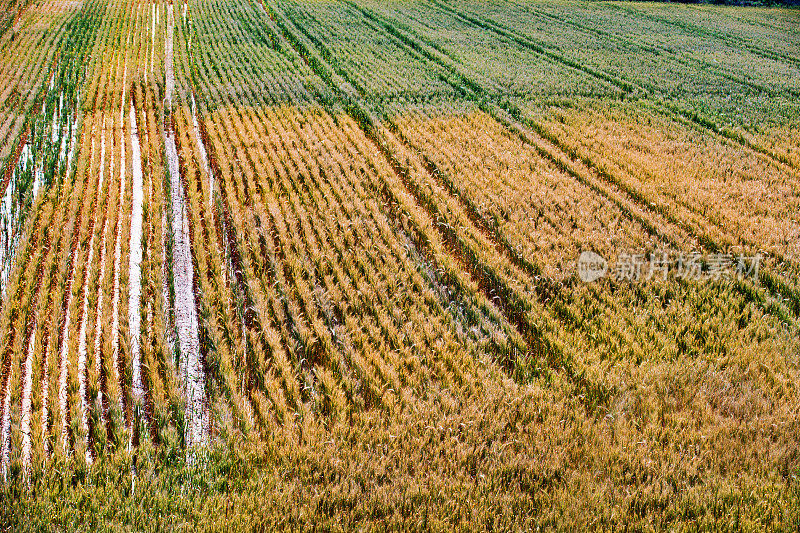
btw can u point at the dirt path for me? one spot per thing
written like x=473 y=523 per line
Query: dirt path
x=135 y=264
x=186 y=319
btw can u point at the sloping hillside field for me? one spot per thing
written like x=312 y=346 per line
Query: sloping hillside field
x=399 y=264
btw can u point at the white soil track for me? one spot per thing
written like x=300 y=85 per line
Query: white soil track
x=5 y=433
x=98 y=327
x=82 y=349
x=117 y=260
x=27 y=394
x=63 y=356
x=135 y=265
x=186 y=318
x=45 y=397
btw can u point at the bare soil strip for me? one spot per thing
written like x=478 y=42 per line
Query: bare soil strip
x=186 y=319
x=63 y=352
x=5 y=433
x=27 y=394
x=135 y=265
x=27 y=370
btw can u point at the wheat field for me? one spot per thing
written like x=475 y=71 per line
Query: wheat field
x=399 y=265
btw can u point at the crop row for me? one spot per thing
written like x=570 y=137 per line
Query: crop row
x=25 y=67
x=243 y=65
x=315 y=255
x=344 y=35
x=709 y=88
x=88 y=361
x=448 y=156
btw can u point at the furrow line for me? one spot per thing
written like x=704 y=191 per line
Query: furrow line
x=186 y=316
x=135 y=267
x=67 y=440
x=28 y=370
x=82 y=334
x=502 y=297
x=671 y=110
x=117 y=361
x=722 y=36
x=776 y=285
